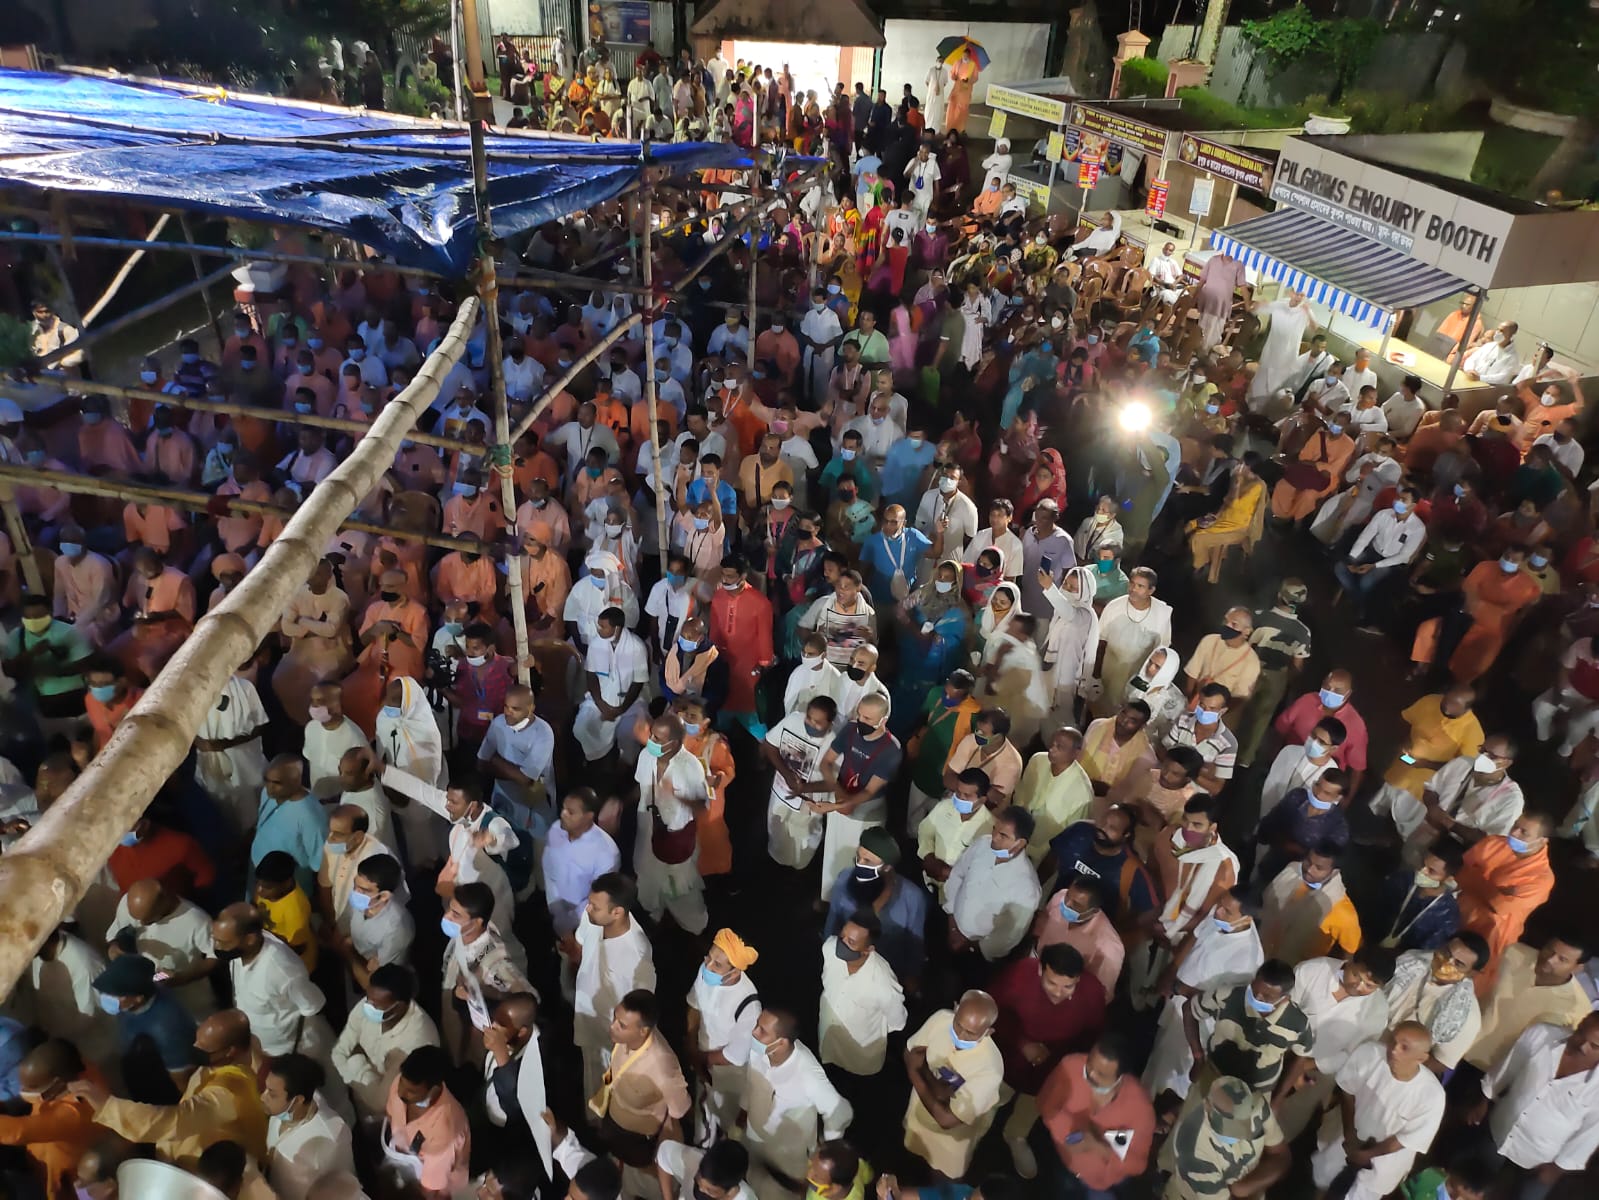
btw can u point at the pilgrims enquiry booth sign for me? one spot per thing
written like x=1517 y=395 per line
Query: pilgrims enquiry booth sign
x=1428 y=223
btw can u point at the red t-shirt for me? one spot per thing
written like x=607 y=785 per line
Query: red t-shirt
x=172 y=857
x=1026 y=1015
x=1296 y=721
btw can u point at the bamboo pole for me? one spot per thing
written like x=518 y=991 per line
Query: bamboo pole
x=87 y=338
x=91 y=387
x=124 y=271
x=488 y=294
x=46 y=872
x=199 y=272
x=195 y=501
x=21 y=543
x=564 y=380
x=662 y=487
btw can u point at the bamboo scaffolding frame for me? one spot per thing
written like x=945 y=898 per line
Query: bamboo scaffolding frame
x=197 y=501
x=47 y=871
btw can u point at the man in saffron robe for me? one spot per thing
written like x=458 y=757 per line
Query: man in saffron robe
x=1501 y=882
x=741 y=631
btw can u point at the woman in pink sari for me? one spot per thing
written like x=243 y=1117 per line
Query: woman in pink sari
x=744 y=117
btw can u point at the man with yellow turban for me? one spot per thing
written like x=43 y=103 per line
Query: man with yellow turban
x=723 y=1007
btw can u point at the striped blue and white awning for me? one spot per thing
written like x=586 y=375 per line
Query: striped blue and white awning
x=1336 y=267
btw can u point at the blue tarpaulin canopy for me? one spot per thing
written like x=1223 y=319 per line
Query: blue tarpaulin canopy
x=399 y=185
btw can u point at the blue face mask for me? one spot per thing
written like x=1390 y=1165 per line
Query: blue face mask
x=1224 y=926
x=654 y=749
x=1331 y=699
x=1313 y=885
x=191 y=359
x=1206 y=716
x=1320 y=805
x=702 y=523
x=359 y=901
x=111 y=1005
x=247 y=364
x=1508 y=567
x=675 y=581
x=1071 y=914
x=301 y=407
x=357 y=355
x=451 y=929
x=305 y=368
x=336 y=848
x=454 y=628
x=1460 y=492
x=392 y=710
x=964 y=807
x=71 y=549
x=35 y=458
x=1314 y=748
x=692 y=729
x=1226 y=1141
x=597 y=580
x=1516 y=844
x=688 y=645
x=104 y=692
x=372 y=1011
x=93 y=418
x=1255 y=1003
x=709 y=977
x=960 y=1042
x=315 y=343
x=128 y=839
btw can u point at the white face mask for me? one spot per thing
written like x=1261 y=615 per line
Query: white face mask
x=1484 y=765
x=1499 y=339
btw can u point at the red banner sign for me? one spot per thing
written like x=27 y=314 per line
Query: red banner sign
x=1155 y=206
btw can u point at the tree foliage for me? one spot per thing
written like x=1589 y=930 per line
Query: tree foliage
x=1296 y=35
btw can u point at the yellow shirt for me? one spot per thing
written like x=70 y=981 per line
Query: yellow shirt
x=1515 y=1003
x=944 y=834
x=1055 y=801
x=220 y=1104
x=1435 y=737
x=290 y=919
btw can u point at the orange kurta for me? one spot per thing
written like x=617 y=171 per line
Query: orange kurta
x=1493 y=598
x=1491 y=866
x=710 y=830
x=1294 y=504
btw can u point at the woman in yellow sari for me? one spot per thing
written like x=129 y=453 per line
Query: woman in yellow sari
x=1239 y=521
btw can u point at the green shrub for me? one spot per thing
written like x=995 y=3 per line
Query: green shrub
x=1143 y=77
x=16 y=341
x=407 y=103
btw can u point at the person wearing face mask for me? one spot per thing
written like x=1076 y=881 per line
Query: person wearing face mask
x=102 y=443
x=820 y=329
x=271 y=987
x=1374 y=473
x=741 y=630
x=1224 y=950
x=956 y=1072
x=1502 y=881
x=1202 y=729
x=316 y=623
x=858 y=766
x=1435 y=987
x=862 y=1000
x=222 y=1099
x=1417 y=909
x=1306 y=911
x=1382 y=554
x=1257 y=1029
x=518 y=753
x=787 y=1096
x=305 y=1139
x=482 y=681
x=1098 y=1117
x=1309 y=814
x=1301 y=764
x=1227 y=1142
x=992 y=890
x=1469 y=798
x=794 y=748
x=426 y=1140
x=1496 y=592
x=1314 y=472
x=1493 y=359
x=953 y=824
x=60 y=1128
x=349 y=844
x=1190 y=861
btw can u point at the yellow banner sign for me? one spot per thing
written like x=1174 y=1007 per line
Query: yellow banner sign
x=1026 y=104
x=1115 y=127
x=996 y=125
x=1030 y=190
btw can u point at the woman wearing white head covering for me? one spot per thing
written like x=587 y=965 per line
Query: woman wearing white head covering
x=1156 y=684
x=1072 y=641
x=408 y=737
x=997 y=164
x=994 y=618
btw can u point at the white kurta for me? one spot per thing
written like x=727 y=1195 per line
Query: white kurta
x=1537 y=1118
x=793 y=832
x=670 y=887
x=728 y=1012
x=618 y=665
x=65 y=1003
x=1339 y=1027
x=1216 y=960
x=175 y=943
x=858 y=1011
x=367 y=1057
x=1279 y=357
x=785 y=1102
x=1128 y=636
x=1490 y=807
x=300 y=1154
x=233 y=777
x=323 y=749
x=993 y=902
x=1408 y=1109
x=1292 y=768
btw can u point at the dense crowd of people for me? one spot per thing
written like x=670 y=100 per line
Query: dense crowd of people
x=905 y=823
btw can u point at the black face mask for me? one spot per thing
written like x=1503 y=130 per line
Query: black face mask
x=857 y=674
x=389 y=597
x=1228 y=633
x=865 y=891
x=845 y=954
x=699 y=1192
x=226 y=956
